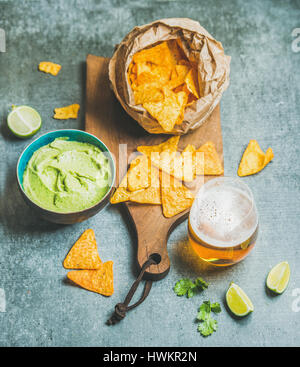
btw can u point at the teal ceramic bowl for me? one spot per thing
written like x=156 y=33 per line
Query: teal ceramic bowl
x=73 y=135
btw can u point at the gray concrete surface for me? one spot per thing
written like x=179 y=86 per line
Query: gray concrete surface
x=41 y=308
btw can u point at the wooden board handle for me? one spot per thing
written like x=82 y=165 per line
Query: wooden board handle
x=154 y=246
x=152 y=236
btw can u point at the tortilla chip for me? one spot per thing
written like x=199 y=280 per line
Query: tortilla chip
x=164 y=82
x=198 y=161
x=142 y=67
x=132 y=80
x=169 y=111
x=164 y=156
x=191 y=99
x=169 y=145
x=68 y=112
x=191 y=81
x=99 y=281
x=140 y=184
x=174 y=196
x=188 y=160
x=254 y=159
x=185 y=62
x=158 y=74
x=150 y=195
x=134 y=68
x=180 y=166
x=170 y=164
x=49 y=67
x=122 y=193
x=147 y=93
x=104 y=283
x=268 y=156
x=84 y=253
x=178 y=76
x=158 y=55
x=212 y=162
x=138 y=175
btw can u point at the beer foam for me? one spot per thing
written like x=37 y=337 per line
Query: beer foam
x=222 y=216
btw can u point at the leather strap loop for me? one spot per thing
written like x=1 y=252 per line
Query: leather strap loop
x=122 y=308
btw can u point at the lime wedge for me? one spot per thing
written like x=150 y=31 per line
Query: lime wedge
x=279 y=277
x=238 y=301
x=24 y=121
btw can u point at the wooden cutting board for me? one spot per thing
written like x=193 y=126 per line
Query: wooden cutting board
x=106 y=119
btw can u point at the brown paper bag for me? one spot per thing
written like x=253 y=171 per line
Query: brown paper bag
x=199 y=47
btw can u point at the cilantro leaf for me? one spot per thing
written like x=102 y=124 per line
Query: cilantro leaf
x=204 y=310
x=216 y=308
x=207 y=324
x=201 y=284
x=191 y=291
x=187 y=287
x=183 y=286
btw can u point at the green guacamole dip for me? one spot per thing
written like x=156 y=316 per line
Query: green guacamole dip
x=67 y=176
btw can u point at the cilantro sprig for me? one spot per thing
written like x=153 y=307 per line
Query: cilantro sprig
x=189 y=288
x=207 y=324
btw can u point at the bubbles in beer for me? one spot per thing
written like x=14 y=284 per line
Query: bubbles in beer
x=222 y=215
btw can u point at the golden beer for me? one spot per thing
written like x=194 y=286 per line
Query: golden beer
x=223 y=221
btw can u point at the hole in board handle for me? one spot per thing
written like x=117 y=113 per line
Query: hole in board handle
x=155 y=257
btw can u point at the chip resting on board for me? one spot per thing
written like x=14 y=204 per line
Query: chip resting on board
x=68 y=112
x=138 y=175
x=99 y=281
x=189 y=163
x=254 y=159
x=84 y=253
x=175 y=197
x=122 y=193
x=169 y=145
x=181 y=166
x=150 y=195
x=144 y=183
x=49 y=67
x=156 y=176
x=212 y=162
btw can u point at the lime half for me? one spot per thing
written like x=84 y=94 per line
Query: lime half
x=238 y=301
x=24 y=121
x=279 y=277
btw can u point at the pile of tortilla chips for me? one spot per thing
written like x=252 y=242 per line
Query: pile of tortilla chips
x=254 y=159
x=156 y=176
x=96 y=276
x=164 y=82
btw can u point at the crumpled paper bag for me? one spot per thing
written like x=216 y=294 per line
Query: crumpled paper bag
x=198 y=45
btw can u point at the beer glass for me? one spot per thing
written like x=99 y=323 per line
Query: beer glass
x=223 y=221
